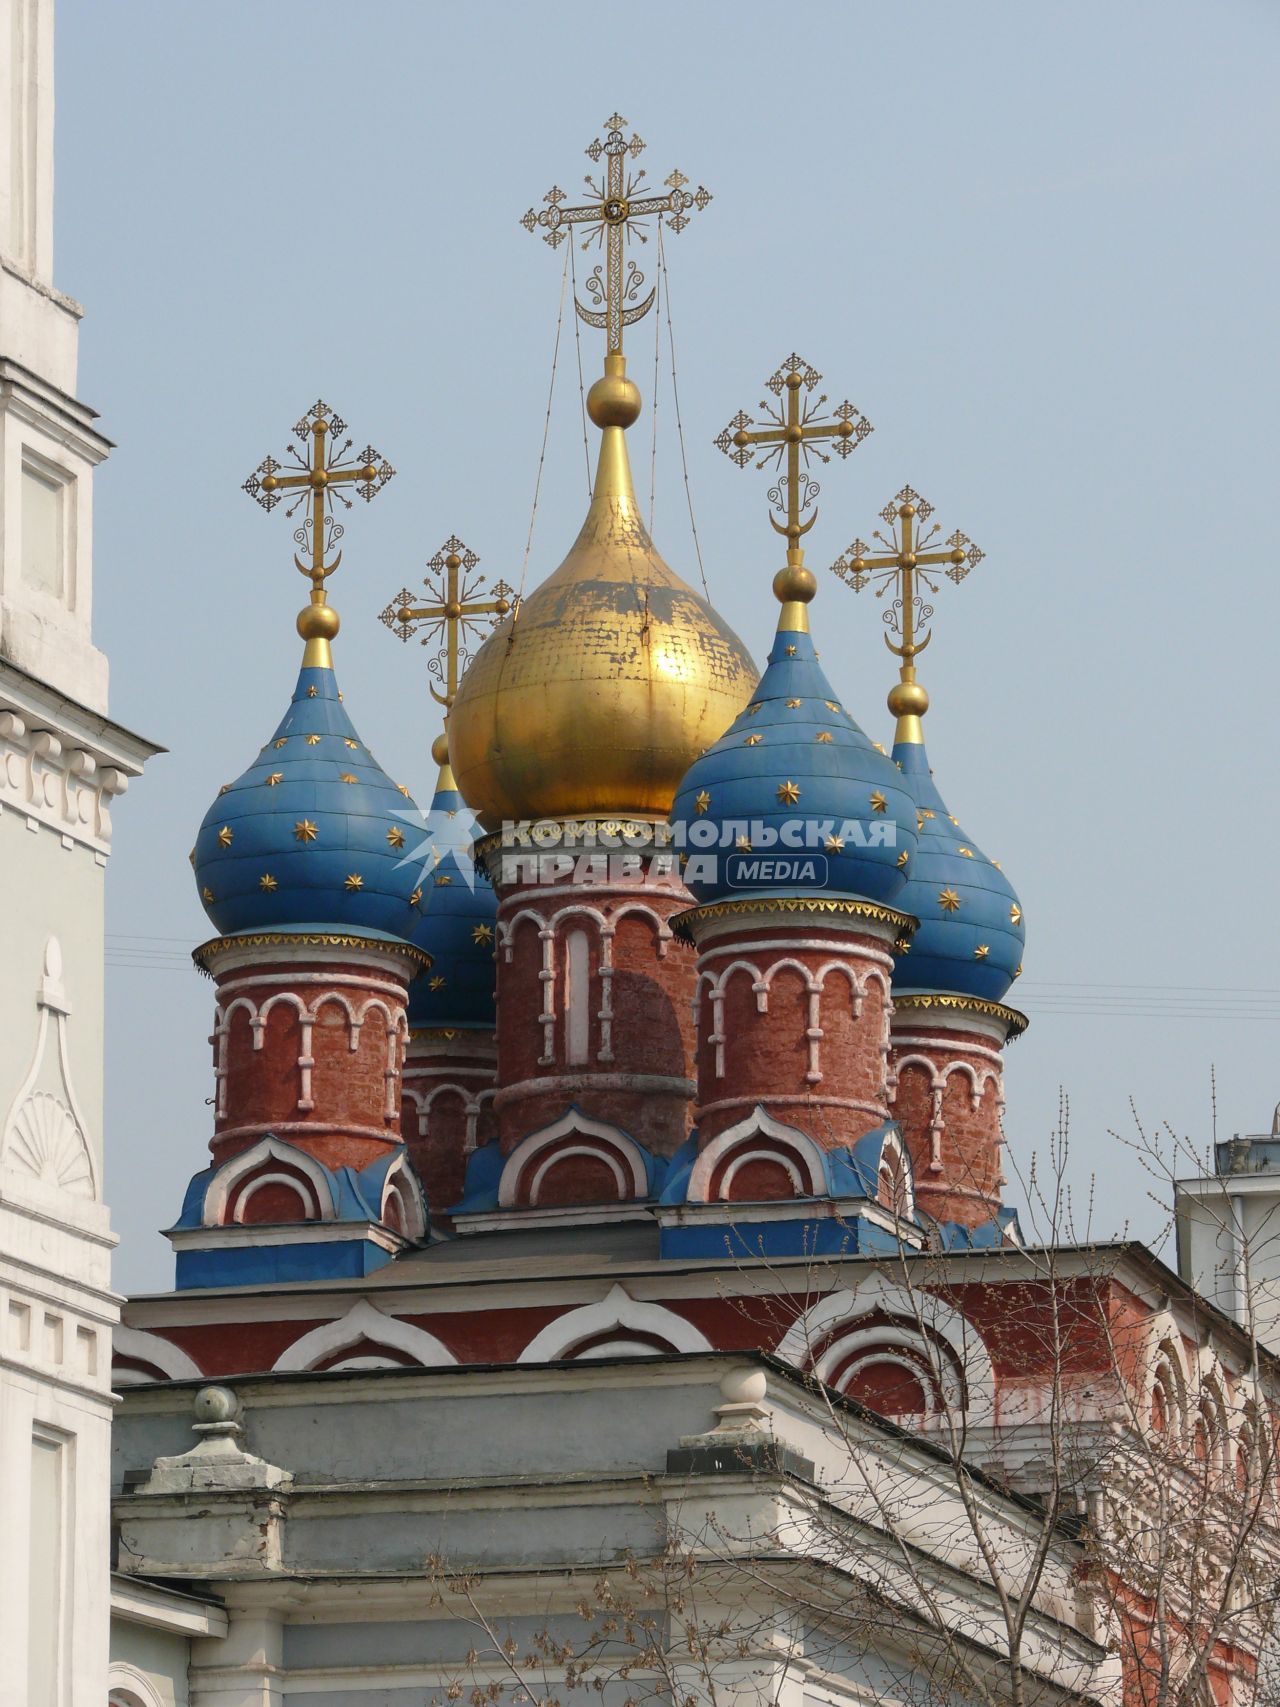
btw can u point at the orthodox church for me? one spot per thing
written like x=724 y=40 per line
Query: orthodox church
x=605 y=1182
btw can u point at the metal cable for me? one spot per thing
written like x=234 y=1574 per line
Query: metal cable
x=665 y=278
x=546 y=430
x=577 y=339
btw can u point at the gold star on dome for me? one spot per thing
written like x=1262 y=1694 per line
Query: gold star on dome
x=997 y=865
x=225 y=836
x=348 y=742
x=482 y=934
x=353 y=881
x=794 y=704
x=1015 y=914
x=919 y=821
x=312 y=691
x=443 y=880
x=1017 y=970
x=879 y=802
x=954 y=819
x=206 y=894
x=824 y=737
x=267 y=882
x=879 y=747
x=313 y=740
x=831 y=705
x=791 y=651
x=834 y=844
x=752 y=709
x=275 y=778
x=395 y=836
x=948 y=900
x=788 y=793
x=925 y=812
x=415 y=898
x=305 y=831
x=401 y=789
x=282 y=742
x=981 y=952
x=753 y=740
x=191 y=858
x=347 y=777
x=902 y=858
x=967 y=852
x=701 y=801
x=437 y=983
x=225 y=789
x=743 y=844
x=902 y=945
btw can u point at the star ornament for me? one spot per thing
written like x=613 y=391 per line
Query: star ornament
x=437 y=983
x=879 y=802
x=701 y=802
x=948 y=900
x=225 y=836
x=788 y=793
x=305 y=831
x=834 y=844
x=268 y=883
x=395 y=836
x=753 y=740
x=353 y=881
x=982 y=951
x=482 y=934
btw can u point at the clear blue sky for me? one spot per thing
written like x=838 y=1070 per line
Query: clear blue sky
x=1035 y=244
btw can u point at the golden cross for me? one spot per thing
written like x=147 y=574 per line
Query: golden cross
x=453 y=613
x=798 y=427
x=321 y=474
x=904 y=563
x=611 y=216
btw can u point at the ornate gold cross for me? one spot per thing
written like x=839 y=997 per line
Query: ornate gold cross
x=611 y=216
x=904 y=563
x=451 y=616
x=321 y=475
x=798 y=427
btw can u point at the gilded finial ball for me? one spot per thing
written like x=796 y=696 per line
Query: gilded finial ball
x=794 y=382
x=318 y=622
x=368 y=472
x=440 y=750
x=614 y=401
x=908 y=699
x=453 y=610
x=794 y=585
x=907 y=510
x=319 y=479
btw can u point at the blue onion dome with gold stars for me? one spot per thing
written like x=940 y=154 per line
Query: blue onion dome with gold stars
x=314 y=833
x=795 y=774
x=970 y=938
x=457 y=914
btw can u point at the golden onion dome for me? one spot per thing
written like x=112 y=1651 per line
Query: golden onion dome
x=597 y=694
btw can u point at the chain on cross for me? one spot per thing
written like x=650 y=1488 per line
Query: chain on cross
x=797 y=427
x=611 y=216
x=453 y=613
x=315 y=478
x=909 y=555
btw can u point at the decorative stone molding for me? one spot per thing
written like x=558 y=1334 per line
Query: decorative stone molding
x=604 y=1328
x=45 y=1144
x=574 y=1134
x=58 y=772
x=152 y=1349
x=363 y=1322
x=757 y=1138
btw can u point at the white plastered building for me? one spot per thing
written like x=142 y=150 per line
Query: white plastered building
x=63 y=762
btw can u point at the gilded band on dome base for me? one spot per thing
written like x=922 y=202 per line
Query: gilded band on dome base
x=684 y=925
x=927 y=1001
x=307 y=939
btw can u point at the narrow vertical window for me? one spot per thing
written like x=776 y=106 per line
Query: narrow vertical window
x=577 y=993
x=46 y=1572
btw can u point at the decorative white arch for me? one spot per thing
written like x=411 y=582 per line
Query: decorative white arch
x=266 y=1149
x=363 y=1322
x=805 y=1158
x=401 y=1181
x=618 y=1312
x=160 y=1353
x=921 y=1315
x=129 y=1687
x=620 y=1153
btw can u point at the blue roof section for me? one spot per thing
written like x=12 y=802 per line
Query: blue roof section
x=357 y=1195
x=314 y=832
x=850 y=1173
x=795 y=757
x=456 y=921
x=971 y=935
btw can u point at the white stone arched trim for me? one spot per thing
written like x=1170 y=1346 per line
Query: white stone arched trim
x=401 y=1182
x=923 y=1319
x=1164 y=1363
x=661 y=927
x=896 y=1151
x=620 y=1313
x=801 y=1156
x=266 y=1149
x=937 y=1086
x=129 y=1687
x=363 y=1322
x=154 y=1349
x=615 y=1148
